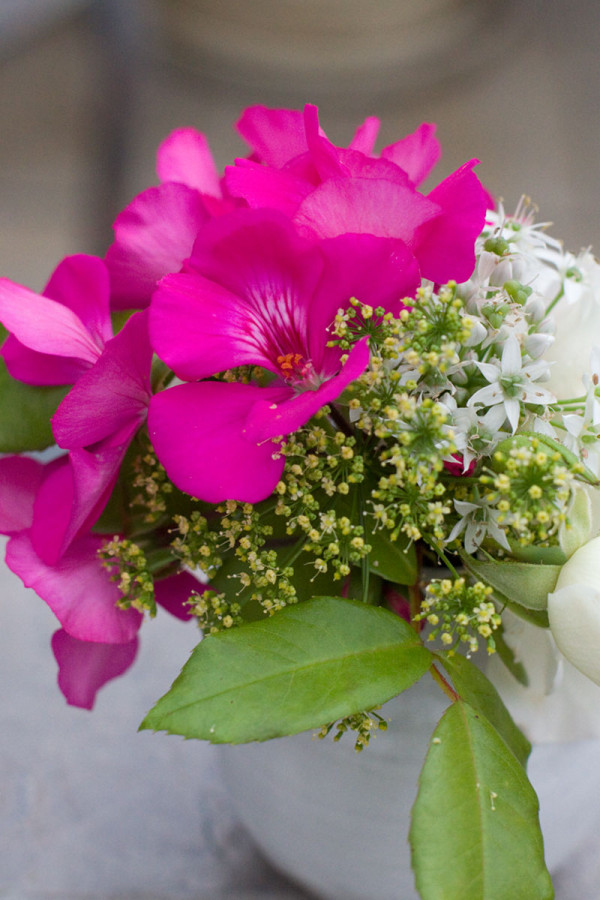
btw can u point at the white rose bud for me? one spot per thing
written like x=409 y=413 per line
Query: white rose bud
x=574 y=610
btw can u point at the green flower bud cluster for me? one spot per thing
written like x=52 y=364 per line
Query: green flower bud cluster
x=460 y=613
x=433 y=332
x=322 y=467
x=214 y=612
x=130 y=569
x=411 y=498
x=198 y=545
x=362 y=723
x=531 y=487
x=151 y=483
x=358 y=321
x=236 y=530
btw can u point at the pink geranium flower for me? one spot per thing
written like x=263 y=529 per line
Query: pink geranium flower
x=63 y=336
x=98 y=640
x=329 y=190
x=255 y=293
x=155 y=233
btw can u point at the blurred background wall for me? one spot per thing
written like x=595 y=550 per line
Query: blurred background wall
x=89 y=87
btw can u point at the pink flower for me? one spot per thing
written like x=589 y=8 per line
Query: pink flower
x=57 y=335
x=76 y=587
x=98 y=640
x=329 y=190
x=65 y=335
x=155 y=233
x=255 y=293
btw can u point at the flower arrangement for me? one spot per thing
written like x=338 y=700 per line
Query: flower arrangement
x=348 y=427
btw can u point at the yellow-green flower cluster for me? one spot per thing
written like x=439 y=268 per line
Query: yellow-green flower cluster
x=323 y=466
x=433 y=331
x=531 y=486
x=460 y=613
x=198 y=545
x=151 y=483
x=362 y=723
x=237 y=530
x=214 y=611
x=412 y=498
x=130 y=569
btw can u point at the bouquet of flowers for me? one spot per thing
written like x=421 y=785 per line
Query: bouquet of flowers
x=348 y=427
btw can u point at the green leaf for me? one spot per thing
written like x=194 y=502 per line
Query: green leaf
x=475 y=832
x=543 y=556
x=25 y=414
x=507 y=655
x=309 y=664
x=524 y=584
x=395 y=561
x=480 y=693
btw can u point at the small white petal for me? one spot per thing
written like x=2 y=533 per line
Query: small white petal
x=511 y=357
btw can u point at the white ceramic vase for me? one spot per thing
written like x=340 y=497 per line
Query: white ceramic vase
x=337 y=821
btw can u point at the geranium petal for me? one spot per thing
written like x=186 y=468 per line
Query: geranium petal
x=199 y=328
x=81 y=283
x=153 y=236
x=417 y=153
x=45 y=325
x=244 y=300
x=445 y=246
x=376 y=271
x=72 y=496
x=197 y=432
x=113 y=394
x=52 y=508
x=20 y=478
x=258 y=255
x=366 y=135
x=85 y=666
x=185 y=156
x=77 y=589
x=324 y=155
x=40 y=368
x=364 y=205
x=262 y=186
x=275 y=135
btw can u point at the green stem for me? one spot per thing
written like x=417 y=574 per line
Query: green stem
x=296 y=551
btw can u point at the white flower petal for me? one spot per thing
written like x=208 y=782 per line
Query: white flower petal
x=511 y=357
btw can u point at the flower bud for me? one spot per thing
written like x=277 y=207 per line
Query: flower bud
x=574 y=610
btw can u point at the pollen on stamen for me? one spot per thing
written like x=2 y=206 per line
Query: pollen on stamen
x=294 y=367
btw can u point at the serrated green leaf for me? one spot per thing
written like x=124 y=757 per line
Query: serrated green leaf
x=524 y=584
x=308 y=664
x=480 y=693
x=25 y=414
x=475 y=831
